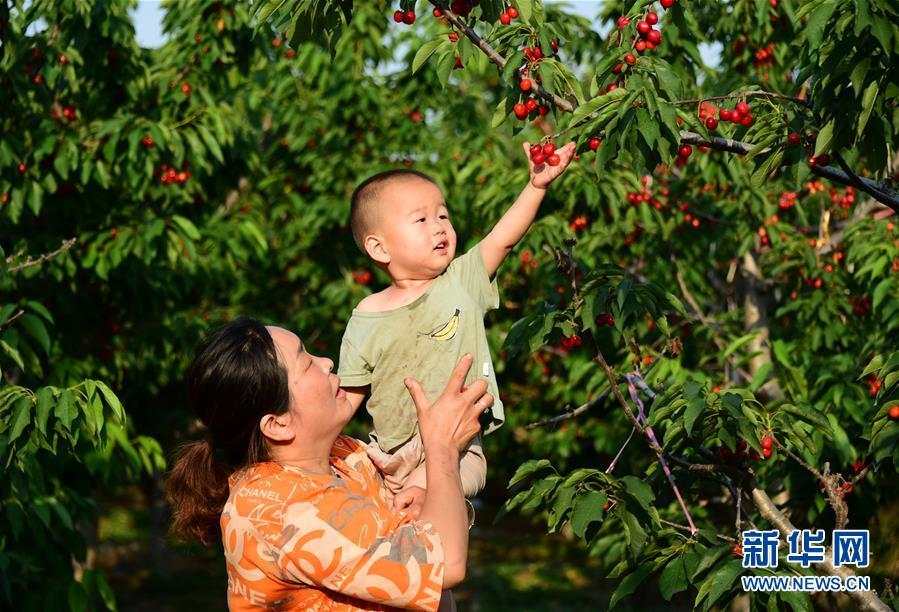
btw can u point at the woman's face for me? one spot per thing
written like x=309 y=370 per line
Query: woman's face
x=317 y=403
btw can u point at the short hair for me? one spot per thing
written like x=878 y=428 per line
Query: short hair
x=365 y=198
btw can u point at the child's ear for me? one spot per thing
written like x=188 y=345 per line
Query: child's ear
x=376 y=249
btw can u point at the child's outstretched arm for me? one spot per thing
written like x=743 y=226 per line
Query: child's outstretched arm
x=516 y=221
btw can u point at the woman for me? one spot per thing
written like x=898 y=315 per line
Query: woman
x=305 y=519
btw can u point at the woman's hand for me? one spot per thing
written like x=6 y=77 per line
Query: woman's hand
x=410 y=501
x=452 y=420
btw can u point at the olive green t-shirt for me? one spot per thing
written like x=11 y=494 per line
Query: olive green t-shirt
x=425 y=340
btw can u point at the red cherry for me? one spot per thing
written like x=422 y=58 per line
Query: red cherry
x=398 y=16
x=667 y=4
x=767 y=442
x=742 y=107
x=438 y=12
x=684 y=151
x=409 y=17
x=147 y=141
x=640 y=46
x=553 y=160
x=22 y=168
x=630 y=59
x=458 y=64
x=654 y=36
x=711 y=123
x=454 y=36
x=623 y=22
x=737 y=551
x=512 y=11
x=549 y=148
x=747 y=120
x=594 y=143
x=846 y=489
x=525 y=84
x=542 y=110
x=535 y=148
x=894 y=413
x=539 y=158
x=554 y=44
x=649 y=46
x=505 y=19
x=362 y=277
x=617 y=68
x=725 y=114
x=652 y=18
x=531 y=105
x=767 y=452
x=62 y=59
x=857 y=466
x=521 y=111
x=643 y=28
x=605 y=319
x=794 y=138
x=185 y=89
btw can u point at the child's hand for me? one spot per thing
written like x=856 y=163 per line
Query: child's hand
x=410 y=501
x=544 y=174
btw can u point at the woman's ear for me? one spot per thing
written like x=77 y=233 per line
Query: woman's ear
x=277 y=427
x=376 y=249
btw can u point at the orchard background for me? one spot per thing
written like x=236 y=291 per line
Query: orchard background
x=721 y=279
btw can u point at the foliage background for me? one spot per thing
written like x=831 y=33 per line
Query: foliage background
x=271 y=140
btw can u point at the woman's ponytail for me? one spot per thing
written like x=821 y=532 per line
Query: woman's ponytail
x=234 y=380
x=197 y=489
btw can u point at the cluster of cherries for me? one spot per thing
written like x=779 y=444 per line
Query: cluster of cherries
x=740 y=114
x=528 y=261
x=861 y=305
x=170 y=176
x=362 y=277
x=743 y=451
x=764 y=56
x=508 y=15
x=788 y=199
x=407 y=17
x=544 y=153
x=68 y=112
x=579 y=223
x=845 y=199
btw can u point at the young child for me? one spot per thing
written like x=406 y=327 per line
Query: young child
x=430 y=315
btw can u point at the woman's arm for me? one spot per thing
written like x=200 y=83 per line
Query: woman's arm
x=446 y=427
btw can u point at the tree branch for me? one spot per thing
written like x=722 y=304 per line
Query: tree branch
x=570 y=414
x=499 y=60
x=878 y=191
x=36 y=261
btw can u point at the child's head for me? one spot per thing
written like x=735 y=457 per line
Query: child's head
x=399 y=218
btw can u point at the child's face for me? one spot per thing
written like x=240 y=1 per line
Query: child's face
x=417 y=230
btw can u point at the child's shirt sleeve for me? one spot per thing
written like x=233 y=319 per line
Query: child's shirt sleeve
x=355 y=367
x=470 y=271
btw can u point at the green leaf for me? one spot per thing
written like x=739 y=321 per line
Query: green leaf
x=639 y=490
x=528 y=468
x=44 y=402
x=111 y=400
x=587 y=509
x=66 y=410
x=425 y=52
x=673 y=578
x=21 y=417
x=189 y=229
x=867 y=104
x=723 y=580
x=629 y=584
x=36 y=329
x=694 y=409
x=825 y=136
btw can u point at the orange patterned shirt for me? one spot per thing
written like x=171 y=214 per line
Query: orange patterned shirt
x=295 y=540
